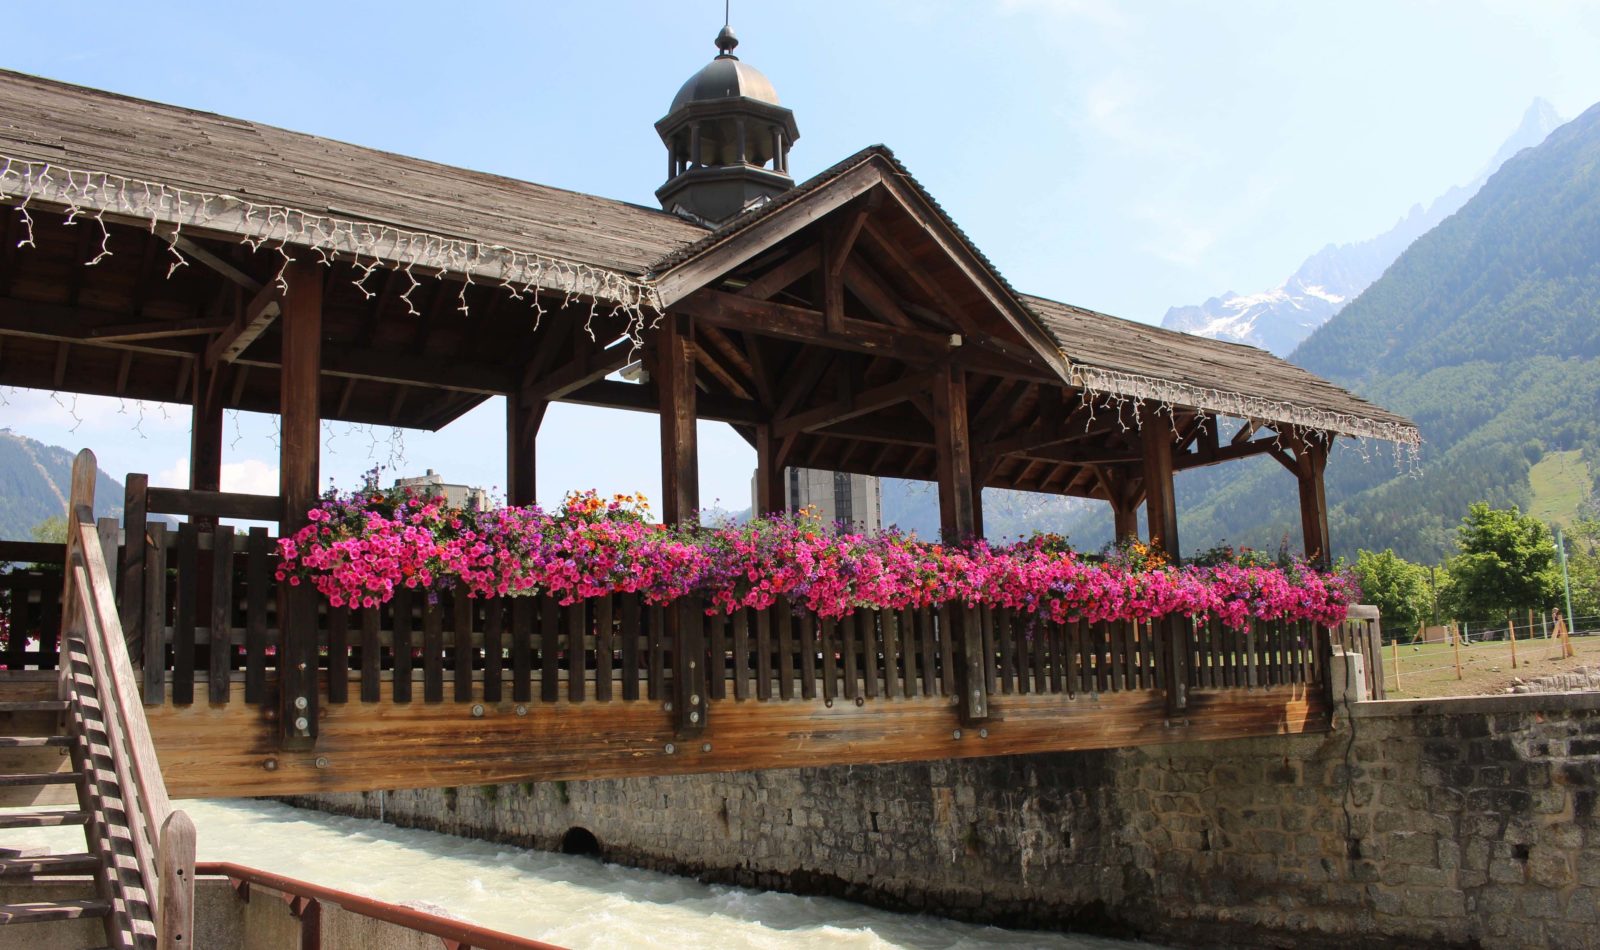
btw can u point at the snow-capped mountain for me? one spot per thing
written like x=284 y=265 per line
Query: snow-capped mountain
x=1278 y=319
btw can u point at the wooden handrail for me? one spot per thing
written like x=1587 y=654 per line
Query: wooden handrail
x=162 y=840
x=454 y=933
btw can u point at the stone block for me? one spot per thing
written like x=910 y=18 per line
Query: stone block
x=1532 y=902
x=1589 y=868
x=1506 y=871
x=1549 y=867
x=1411 y=848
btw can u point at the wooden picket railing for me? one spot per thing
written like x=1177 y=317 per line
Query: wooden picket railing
x=30 y=595
x=535 y=649
x=146 y=850
x=201 y=609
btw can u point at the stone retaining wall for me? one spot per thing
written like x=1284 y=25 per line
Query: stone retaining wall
x=1435 y=823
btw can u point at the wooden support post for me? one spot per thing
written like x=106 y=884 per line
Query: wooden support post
x=523 y=418
x=687 y=627
x=973 y=664
x=298 y=478
x=680 y=492
x=1311 y=460
x=207 y=392
x=1511 y=630
x=1161 y=512
x=1396 y=645
x=958 y=517
x=1124 y=520
x=1455 y=638
x=771 y=453
x=175 y=867
x=680 y=470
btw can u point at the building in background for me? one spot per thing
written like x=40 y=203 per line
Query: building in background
x=855 y=500
x=456 y=496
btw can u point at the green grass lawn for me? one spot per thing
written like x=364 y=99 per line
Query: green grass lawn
x=1560 y=482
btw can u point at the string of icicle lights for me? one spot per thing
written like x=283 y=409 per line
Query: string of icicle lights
x=368 y=246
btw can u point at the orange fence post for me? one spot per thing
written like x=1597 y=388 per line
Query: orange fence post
x=1511 y=628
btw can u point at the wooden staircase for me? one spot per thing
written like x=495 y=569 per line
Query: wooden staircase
x=34 y=735
x=75 y=751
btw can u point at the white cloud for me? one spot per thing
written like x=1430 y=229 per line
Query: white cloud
x=248 y=476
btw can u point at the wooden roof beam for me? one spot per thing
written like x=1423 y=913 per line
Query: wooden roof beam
x=725 y=361
x=789 y=322
x=867 y=286
x=803 y=377
x=247 y=327
x=156 y=330
x=189 y=249
x=853 y=406
x=611 y=394
x=774 y=281
x=1232 y=451
x=585 y=368
x=686 y=278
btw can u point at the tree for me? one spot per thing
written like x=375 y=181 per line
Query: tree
x=1397 y=587
x=1583 y=566
x=1507 y=563
x=52 y=530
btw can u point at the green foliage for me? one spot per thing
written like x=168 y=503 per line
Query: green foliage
x=1561 y=484
x=1583 y=566
x=1398 y=588
x=52 y=530
x=1507 y=563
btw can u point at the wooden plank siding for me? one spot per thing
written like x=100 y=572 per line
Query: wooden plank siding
x=220 y=751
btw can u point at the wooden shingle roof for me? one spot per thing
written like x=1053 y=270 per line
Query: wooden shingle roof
x=100 y=152
x=77 y=130
x=1116 y=356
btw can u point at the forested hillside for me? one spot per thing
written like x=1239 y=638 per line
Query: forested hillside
x=34 y=481
x=1486 y=332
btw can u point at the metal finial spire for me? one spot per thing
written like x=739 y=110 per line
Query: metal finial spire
x=726 y=41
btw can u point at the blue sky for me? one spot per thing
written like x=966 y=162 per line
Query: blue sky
x=1125 y=157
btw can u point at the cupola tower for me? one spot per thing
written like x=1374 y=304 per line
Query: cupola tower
x=727 y=140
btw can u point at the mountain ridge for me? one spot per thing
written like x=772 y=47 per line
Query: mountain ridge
x=1279 y=319
x=35 y=480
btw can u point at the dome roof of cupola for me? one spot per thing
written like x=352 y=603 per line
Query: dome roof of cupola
x=726 y=77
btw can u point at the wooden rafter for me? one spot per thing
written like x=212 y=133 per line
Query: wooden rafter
x=586 y=367
x=190 y=249
x=247 y=327
x=850 y=406
x=788 y=271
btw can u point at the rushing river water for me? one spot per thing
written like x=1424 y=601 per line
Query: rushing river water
x=570 y=901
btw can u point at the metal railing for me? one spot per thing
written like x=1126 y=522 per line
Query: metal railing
x=305 y=901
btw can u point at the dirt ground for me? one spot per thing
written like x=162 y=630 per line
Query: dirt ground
x=1430 y=669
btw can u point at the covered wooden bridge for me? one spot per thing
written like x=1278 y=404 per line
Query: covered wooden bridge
x=157 y=253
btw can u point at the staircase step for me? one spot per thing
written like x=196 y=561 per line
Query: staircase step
x=48 y=864
x=34 y=705
x=33 y=742
x=43 y=819
x=39 y=778
x=43 y=911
